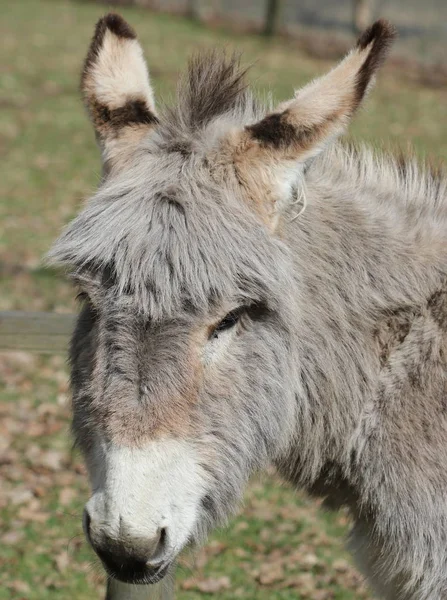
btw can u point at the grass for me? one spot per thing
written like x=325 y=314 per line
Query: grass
x=281 y=546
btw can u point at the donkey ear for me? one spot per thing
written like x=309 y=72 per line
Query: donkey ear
x=322 y=109
x=116 y=89
x=270 y=150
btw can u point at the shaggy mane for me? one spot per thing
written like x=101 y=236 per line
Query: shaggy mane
x=408 y=179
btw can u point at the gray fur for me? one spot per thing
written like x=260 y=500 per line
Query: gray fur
x=340 y=380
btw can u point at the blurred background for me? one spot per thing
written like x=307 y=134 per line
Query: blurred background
x=282 y=545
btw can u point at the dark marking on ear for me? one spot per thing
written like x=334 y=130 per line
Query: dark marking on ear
x=274 y=130
x=381 y=35
x=279 y=133
x=114 y=23
x=134 y=112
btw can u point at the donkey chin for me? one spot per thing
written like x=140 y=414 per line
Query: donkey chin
x=144 y=508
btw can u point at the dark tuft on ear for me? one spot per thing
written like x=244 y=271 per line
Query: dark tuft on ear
x=381 y=32
x=114 y=23
x=119 y=26
x=116 y=89
x=381 y=35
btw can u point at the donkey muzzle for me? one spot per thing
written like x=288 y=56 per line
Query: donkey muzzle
x=129 y=559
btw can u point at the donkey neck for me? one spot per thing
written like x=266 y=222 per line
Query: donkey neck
x=374 y=229
x=369 y=244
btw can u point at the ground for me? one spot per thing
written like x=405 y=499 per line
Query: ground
x=281 y=546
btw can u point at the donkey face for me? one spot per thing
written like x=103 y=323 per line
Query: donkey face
x=184 y=356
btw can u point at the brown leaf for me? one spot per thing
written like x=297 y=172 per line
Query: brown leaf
x=341 y=565
x=48 y=408
x=309 y=561
x=31 y=515
x=66 y=496
x=50 y=459
x=271 y=573
x=20 y=496
x=62 y=561
x=12 y=537
x=207 y=586
x=304 y=582
x=242 y=526
x=19 y=586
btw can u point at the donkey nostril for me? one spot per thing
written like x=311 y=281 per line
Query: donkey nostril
x=163 y=536
x=156 y=548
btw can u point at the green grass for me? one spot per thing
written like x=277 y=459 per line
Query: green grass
x=281 y=546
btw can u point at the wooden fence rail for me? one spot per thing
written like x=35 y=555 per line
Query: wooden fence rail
x=35 y=332
x=49 y=333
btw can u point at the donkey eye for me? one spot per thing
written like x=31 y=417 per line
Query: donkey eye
x=231 y=319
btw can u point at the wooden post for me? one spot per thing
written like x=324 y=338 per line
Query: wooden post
x=123 y=591
x=271 y=17
x=193 y=10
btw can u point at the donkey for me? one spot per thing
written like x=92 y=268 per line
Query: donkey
x=256 y=293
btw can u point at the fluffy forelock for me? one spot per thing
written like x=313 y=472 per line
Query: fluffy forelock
x=170 y=245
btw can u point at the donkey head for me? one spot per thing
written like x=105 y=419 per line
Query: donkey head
x=184 y=356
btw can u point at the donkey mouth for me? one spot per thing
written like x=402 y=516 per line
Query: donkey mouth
x=142 y=575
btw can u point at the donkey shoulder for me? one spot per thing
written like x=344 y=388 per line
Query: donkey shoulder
x=409 y=428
